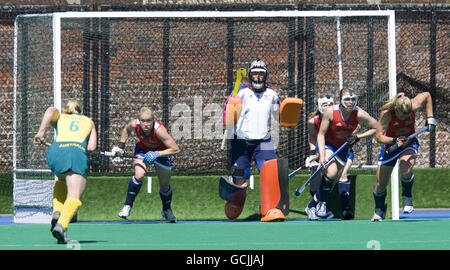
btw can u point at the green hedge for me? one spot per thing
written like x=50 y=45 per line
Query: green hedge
x=196 y=197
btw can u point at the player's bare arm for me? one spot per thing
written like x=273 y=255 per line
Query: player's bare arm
x=324 y=125
x=169 y=142
x=382 y=125
x=420 y=100
x=50 y=117
x=92 y=143
x=365 y=119
x=127 y=130
x=312 y=135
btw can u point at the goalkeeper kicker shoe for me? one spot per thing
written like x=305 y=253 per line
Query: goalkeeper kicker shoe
x=125 y=212
x=168 y=215
x=60 y=234
x=273 y=214
x=407 y=205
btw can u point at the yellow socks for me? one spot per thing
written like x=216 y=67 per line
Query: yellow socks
x=59 y=195
x=69 y=209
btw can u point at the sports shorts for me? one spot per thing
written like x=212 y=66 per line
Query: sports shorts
x=242 y=152
x=62 y=157
x=343 y=156
x=163 y=162
x=391 y=159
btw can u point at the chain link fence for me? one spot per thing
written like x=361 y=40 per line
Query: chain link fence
x=190 y=65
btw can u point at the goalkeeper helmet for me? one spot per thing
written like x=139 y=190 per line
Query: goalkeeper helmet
x=327 y=99
x=257 y=67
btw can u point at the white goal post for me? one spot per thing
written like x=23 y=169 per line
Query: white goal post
x=57 y=58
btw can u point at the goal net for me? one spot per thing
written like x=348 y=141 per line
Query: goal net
x=183 y=65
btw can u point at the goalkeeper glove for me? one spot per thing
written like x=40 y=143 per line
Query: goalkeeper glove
x=150 y=156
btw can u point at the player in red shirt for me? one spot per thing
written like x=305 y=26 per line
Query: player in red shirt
x=155 y=146
x=397 y=122
x=314 y=120
x=337 y=127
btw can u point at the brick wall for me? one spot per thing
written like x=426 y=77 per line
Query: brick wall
x=205 y=73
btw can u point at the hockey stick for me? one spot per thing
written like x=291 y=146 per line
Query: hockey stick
x=299 y=190
x=111 y=155
x=401 y=144
x=298 y=170
x=105 y=153
x=241 y=72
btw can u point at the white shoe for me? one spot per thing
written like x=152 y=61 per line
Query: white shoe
x=407 y=205
x=311 y=212
x=125 y=212
x=323 y=212
x=378 y=215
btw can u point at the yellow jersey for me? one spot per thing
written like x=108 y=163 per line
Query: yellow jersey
x=73 y=128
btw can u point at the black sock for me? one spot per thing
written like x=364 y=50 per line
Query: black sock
x=166 y=198
x=133 y=189
x=325 y=188
x=380 y=199
x=344 y=193
x=407 y=186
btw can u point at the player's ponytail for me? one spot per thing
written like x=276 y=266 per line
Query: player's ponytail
x=400 y=101
x=72 y=106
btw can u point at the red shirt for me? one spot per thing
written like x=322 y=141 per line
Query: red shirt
x=397 y=127
x=149 y=143
x=339 y=130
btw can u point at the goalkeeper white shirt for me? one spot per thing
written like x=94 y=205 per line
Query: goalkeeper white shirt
x=254 y=121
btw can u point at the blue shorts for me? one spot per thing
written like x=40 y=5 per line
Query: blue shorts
x=163 y=162
x=341 y=157
x=391 y=159
x=242 y=152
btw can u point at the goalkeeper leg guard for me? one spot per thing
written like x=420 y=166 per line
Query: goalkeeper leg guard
x=69 y=209
x=274 y=189
x=234 y=195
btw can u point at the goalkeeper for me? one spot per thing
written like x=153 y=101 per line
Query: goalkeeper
x=252 y=138
x=155 y=146
x=68 y=160
x=397 y=121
